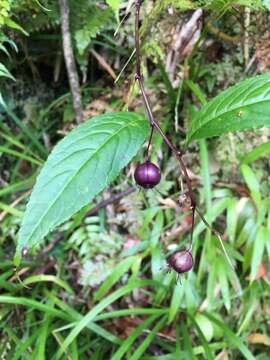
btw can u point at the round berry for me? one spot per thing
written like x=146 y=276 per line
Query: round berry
x=181 y=261
x=147 y=175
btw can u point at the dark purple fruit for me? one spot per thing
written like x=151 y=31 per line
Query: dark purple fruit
x=181 y=261
x=147 y=175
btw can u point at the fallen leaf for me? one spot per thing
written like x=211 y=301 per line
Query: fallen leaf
x=257 y=338
x=223 y=355
x=168 y=203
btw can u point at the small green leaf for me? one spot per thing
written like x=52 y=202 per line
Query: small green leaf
x=115 y=5
x=241 y=107
x=13 y=25
x=205 y=332
x=177 y=298
x=115 y=275
x=256 y=153
x=80 y=166
x=252 y=183
x=232 y=338
x=47 y=278
x=224 y=284
x=205 y=325
x=138 y=353
x=42 y=6
x=5 y=73
x=232 y=219
x=138 y=331
x=2 y=48
x=258 y=250
x=187 y=343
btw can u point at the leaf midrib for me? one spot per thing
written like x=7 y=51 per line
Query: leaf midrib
x=225 y=112
x=100 y=147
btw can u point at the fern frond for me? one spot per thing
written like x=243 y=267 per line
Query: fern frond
x=88 y=25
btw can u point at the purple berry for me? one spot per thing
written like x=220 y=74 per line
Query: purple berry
x=147 y=175
x=181 y=261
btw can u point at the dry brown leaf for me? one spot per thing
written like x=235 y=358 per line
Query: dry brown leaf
x=257 y=338
x=223 y=355
x=168 y=203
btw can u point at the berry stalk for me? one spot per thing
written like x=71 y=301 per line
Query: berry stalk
x=154 y=124
x=178 y=154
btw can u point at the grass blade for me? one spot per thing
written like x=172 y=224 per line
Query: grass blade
x=91 y=315
x=116 y=274
x=207 y=350
x=132 y=337
x=232 y=338
x=147 y=341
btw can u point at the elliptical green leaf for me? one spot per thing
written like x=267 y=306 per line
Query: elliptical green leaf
x=80 y=166
x=241 y=107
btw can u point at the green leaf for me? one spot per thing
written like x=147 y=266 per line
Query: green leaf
x=138 y=353
x=176 y=301
x=5 y=73
x=241 y=107
x=205 y=326
x=232 y=338
x=177 y=342
x=232 y=219
x=256 y=153
x=47 y=278
x=42 y=6
x=224 y=284
x=2 y=48
x=115 y=5
x=115 y=275
x=138 y=331
x=6 y=299
x=205 y=332
x=258 y=250
x=252 y=183
x=13 y=25
x=189 y=349
x=97 y=19
x=80 y=166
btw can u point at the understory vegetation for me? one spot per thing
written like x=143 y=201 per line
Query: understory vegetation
x=97 y=286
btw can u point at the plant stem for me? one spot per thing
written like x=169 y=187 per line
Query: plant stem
x=111 y=200
x=153 y=121
x=155 y=125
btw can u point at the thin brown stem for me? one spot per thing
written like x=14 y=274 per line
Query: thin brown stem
x=155 y=125
x=149 y=142
x=111 y=200
x=152 y=119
